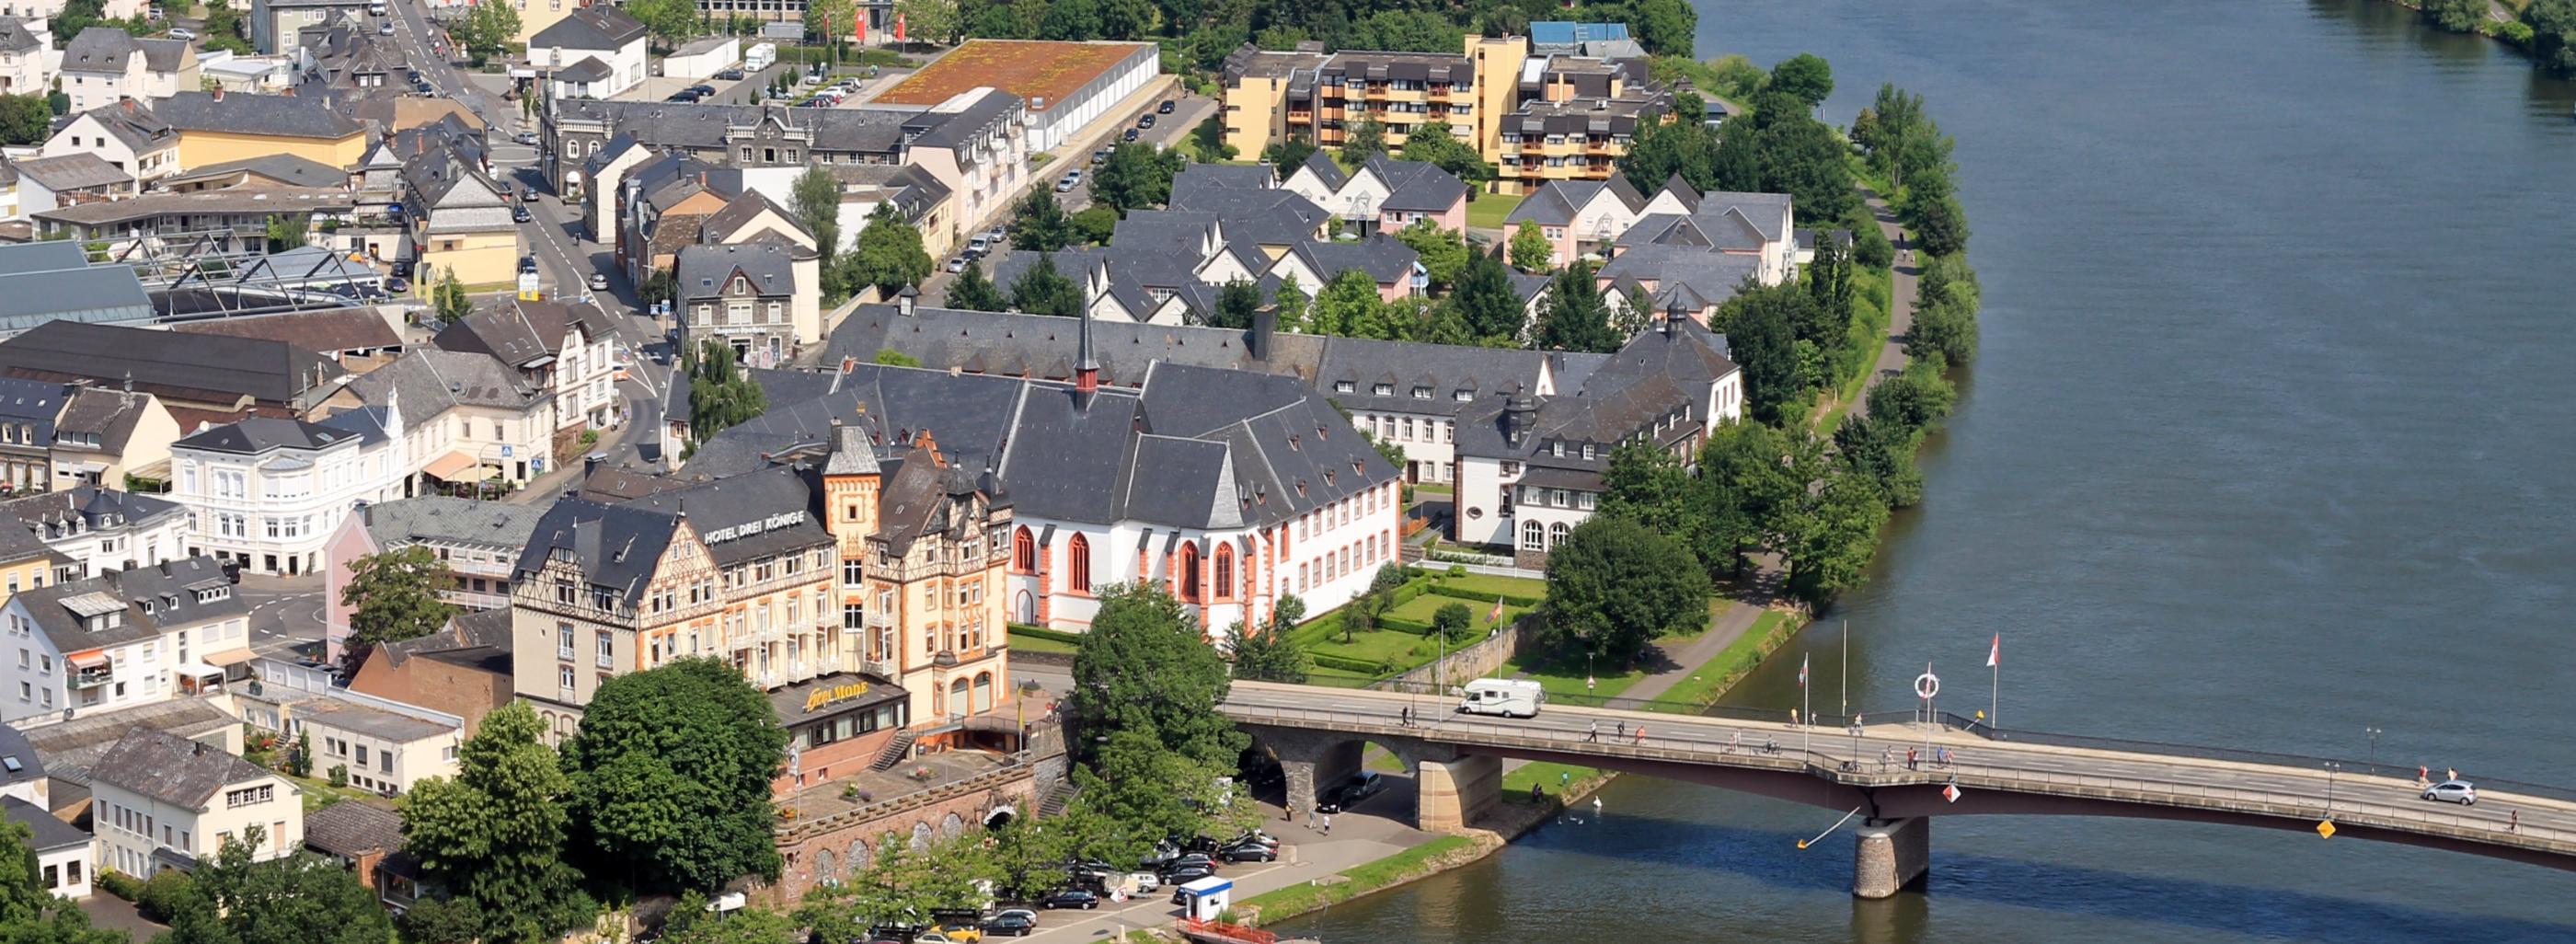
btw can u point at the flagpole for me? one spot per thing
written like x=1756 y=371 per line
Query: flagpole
x=1807 y=720
x=1846 y=686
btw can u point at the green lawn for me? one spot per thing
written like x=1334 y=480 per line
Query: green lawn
x=319 y=793
x=1563 y=681
x=1548 y=775
x=1488 y=209
x=1035 y=644
x=1876 y=294
x=1486 y=585
x=1719 y=673
x=1337 y=678
x=1380 y=646
x=1362 y=879
x=1420 y=609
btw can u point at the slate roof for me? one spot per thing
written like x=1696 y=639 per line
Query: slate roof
x=19 y=762
x=50 y=515
x=99 y=49
x=1556 y=202
x=1659 y=371
x=34 y=403
x=70 y=747
x=162 y=55
x=1383 y=258
x=589 y=69
x=967 y=125
x=351 y=830
x=170 y=587
x=330 y=330
x=135 y=125
x=437 y=518
x=106 y=414
x=287 y=169
x=744 y=499
x=476 y=639
x=745 y=208
x=172 y=769
x=616 y=546
x=601 y=27
x=260 y=434
x=520 y=332
x=923 y=498
x=1482 y=373
x=1198 y=177
x=1271 y=216
x=1325 y=170
x=703 y=126
x=369 y=721
x=284 y=116
x=14 y=36
x=705 y=270
x=431 y=381
x=81 y=170
x=1712 y=277
x=1417 y=186
x=51 y=834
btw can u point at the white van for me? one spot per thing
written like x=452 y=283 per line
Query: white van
x=1511 y=698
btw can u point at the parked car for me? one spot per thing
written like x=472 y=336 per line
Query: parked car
x=1099 y=157
x=1185 y=874
x=395 y=284
x=421 y=86
x=519 y=213
x=183 y=33
x=525 y=137
x=703 y=89
x=385 y=28
x=1249 y=852
x=730 y=75
x=1129 y=136
x=1145 y=121
x=527 y=263
x=1361 y=786
x=997 y=235
x=1008 y=924
x=2461 y=792
x=1071 y=179
x=402 y=267
x=599 y=281
x=955 y=264
x=1071 y=898
x=1021 y=912
x=528 y=192
x=1165 y=108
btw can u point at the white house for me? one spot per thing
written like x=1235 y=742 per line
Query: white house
x=105 y=64
x=62 y=849
x=162 y=801
x=125 y=134
x=566 y=348
x=100 y=530
x=269 y=492
x=376 y=743
x=593 y=52
x=27 y=57
x=124 y=639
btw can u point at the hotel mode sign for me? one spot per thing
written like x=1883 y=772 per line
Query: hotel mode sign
x=825 y=696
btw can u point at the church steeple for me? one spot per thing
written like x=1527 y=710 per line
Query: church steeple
x=1086 y=367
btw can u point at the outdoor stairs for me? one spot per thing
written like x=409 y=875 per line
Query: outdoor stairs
x=895 y=752
x=1057 y=798
x=1411 y=553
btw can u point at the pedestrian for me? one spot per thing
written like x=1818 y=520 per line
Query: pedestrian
x=1618 y=729
x=2450 y=773
x=1287 y=813
x=1909 y=760
x=1592 y=731
x=1564 y=780
x=2423 y=776
x=1537 y=794
x=1641 y=734
x=1404 y=715
x=1310 y=819
x=2514 y=825
x=1328 y=824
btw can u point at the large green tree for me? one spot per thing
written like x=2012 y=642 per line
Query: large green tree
x=25 y=119
x=1650 y=486
x=670 y=778
x=1573 y=317
x=1665 y=27
x=29 y=912
x=691 y=923
x=396 y=596
x=1135 y=176
x=1530 y=249
x=721 y=393
x=1039 y=223
x=1145 y=666
x=670 y=21
x=1805 y=76
x=1761 y=334
x=1238 y=302
x=1829 y=531
x=494 y=835
x=971 y=291
x=933 y=21
x=1744 y=479
x=2553 y=33
x=1484 y=298
x=1042 y=289
x=1613 y=586
x=486 y=29
x=1362 y=139
x=888 y=254
x=1945 y=311
x=1347 y=306
x=1443 y=251
x=815 y=198
x=1070 y=20
x=297 y=900
x=1265 y=653
x=903 y=884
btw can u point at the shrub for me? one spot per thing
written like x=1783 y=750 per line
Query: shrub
x=339 y=775
x=162 y=896
x=120 y=884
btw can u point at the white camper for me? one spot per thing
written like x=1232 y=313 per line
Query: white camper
x=1511 y=698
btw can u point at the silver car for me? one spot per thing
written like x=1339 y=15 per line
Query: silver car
x=2461 y=792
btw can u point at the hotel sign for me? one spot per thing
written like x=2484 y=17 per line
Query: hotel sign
x=834 y=693
x=756 y=527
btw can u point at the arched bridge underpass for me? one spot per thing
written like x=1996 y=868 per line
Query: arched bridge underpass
x=1318 y=732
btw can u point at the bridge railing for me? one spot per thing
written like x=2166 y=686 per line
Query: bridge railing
x=1970 y=725
x=2498 y=827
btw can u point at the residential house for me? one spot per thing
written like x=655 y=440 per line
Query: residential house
x=22 y=770
x=771 y=144
x=751 y=218
x=71 y=746
x=1413 y=395
x=269 y=492
x=667 y=199
x=184 y=225
x=124 y=638
x=460 y=223
x=27 y=412
x=606 y=172
x=278 y=26
x=24 y=562
x=916 y=195
x=1383 y=195
x=45 y=183
x=1530 y=470
x=105 y=435
x=126 y=134
x=976 y=145
x=367 y=840
x=372 y=743
x=1394 y=266
x=248 y=75
x=62 y=850
x=742 y=296
x=536 y=16
x=1254 y=103
x=592 y=52
x=1583 y=217
x=276 y=170
x=27 y=61
x=1254 y=207
x=463 y=669
x=105 y=64
x=467 y=418
x=217 y=128
x=476 y=543
x=92 y=530
x=1573 y=139
x=1753 y=226
x=739 y=569
x=199 y=378
x=566 y=348
x=360 y=338
x=162 y=801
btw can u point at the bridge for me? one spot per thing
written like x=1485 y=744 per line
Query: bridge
x=1317 y=735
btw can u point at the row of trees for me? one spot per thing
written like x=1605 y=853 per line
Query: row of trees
x=1202 y=32
x=1906 y=148
x=2551 y=25
x=1779 y=148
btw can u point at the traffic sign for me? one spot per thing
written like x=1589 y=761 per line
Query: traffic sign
x=2325 y=829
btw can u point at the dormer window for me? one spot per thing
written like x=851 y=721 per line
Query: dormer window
x=1463 y=395
x=1343 y=386
x=1422 y=393
x=1587 y=450
x=1556 y=449
x=1382 y=390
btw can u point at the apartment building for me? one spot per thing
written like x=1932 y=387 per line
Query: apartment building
x=123 y=639
x=268 y=493
x=477 y=542
x=161 y=801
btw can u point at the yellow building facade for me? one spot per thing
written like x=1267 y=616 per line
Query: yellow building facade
x=925 y=551
x=477 y=258
x=208 y=148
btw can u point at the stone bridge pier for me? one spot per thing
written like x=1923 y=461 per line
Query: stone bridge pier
x=1452 y=788
x=1890 y=855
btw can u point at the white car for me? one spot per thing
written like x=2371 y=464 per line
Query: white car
x=181 y=32
x=2461 y=792
x=599 y=282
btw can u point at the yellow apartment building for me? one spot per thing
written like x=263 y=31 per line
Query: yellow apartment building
x=215 y=128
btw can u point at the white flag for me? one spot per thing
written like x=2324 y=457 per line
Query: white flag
x=1995 y=652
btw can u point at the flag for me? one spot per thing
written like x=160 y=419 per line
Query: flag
x=1497 y=615
x=1995 y=652
x=898 y=26
x=859 y=26
x=1802 y=671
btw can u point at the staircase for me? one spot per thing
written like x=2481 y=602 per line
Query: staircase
x=1411 y=553
x=1057 y=798
x=895 y=752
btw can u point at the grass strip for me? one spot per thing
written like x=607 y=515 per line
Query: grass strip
x=1357 y=880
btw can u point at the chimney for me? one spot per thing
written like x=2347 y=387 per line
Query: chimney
x=1265 y=321
x=219 y=93
x=127 y=102
x=590 y=463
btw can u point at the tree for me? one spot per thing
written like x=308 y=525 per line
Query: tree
x=1829 y=533
x=831 y=19
x=889 y=254
x=1806 y=76
x=1612 y=586
x=1531 y=251
x=1940 y=226
x=692 y=922
x=1881 y=454
x=1289 y=153
x=1039 y=223
x=1649 y=486
x=1443 y=251
x=289 y=231
x=25 y=119
x=300 y=763
x=1432 y=143
x=1761 y=325
x=1916 y=400
x=894 y=358
x=670 y=778
x=1662 y=150
x=441 y=921
x=1145 y=669
x=1070 y=20
x=1573 y=318
x=2553 y=33
x=1665 y=27
x=971 y=291
x=1452 y=621
x=1291 y=302
x=1125 y=19
x=1945 y=311
x=935 y=21
x=1366 y=138
x=672 y=21
x=720 y=394
x=1484 y=298
x=396 y=594
x=815 y=198
x=661 y=287
x=29 y=913
x=1042 y=290
x=450 y=300
x=905 y=884
x=1135 y=176
x=296 y=900
x=1209 y=138
x=1266 y=654
x=495 y=835
x=1095 y=225
x=1348 y=306
x=1806 y=160
x=1238 y=302
x=486 y=29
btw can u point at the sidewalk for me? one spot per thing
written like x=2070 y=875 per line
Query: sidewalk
x=1900 y=303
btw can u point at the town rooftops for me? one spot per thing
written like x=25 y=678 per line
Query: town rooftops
x=222 y=202
x=130 y=605
x=14 y=36
x=70 y=747
x=708 y=126
x=1419 y=186
x=88 y=293
x=429 y=381
x=745 y=516
x=475 y=639
x=966 y=122
x=1043 y=73
x=358 y=328
x=368 y=720
x=174 y=365
x=524 y=333
x=99 y=49
x=589 y=69
x=81 y=170
x=172 y=769
x=48 y=256
x=18 y=760
x=352 y=830
x=1556 y=202
x=260 y=434
x=286 y=169
x=99 y=420
x=706 y=271
x=282 y=116
x=1253 y=62
x=51 y=834
x=437 y=519
x=51 y=515
x=592 y=27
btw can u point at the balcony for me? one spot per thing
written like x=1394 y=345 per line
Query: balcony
x=93 y=676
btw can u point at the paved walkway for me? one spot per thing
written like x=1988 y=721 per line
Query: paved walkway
x=1901 y=297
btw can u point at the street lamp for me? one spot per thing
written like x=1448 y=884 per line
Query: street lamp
x=2374 y=747
x=2330 y=779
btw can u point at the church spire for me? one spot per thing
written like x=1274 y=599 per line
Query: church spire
x=1086 y=367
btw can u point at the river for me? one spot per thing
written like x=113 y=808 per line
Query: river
x=2270 y=443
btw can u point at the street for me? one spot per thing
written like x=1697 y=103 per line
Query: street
x=285 y=615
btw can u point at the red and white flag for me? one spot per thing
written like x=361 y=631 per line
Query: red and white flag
x=898 y=26
x=1995 y=652
x=1802 y=671
x=1950 y=793
x=1497 y=615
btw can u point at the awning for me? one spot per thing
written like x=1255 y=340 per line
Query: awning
x=456 y=466
x=87 y=660
x=231 y=657
x=199 y=670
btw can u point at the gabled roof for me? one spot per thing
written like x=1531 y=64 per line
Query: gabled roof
x=99 y=49
x=186 y=366
x=1383 y=258
x=282 y=116
x=614 y=546
x=589 y=69
x=1198 y=177
x=14 y=36
x=704 y=270
x=165 y=55
x=169 y=589
x=522 y=333
x=744 y=209
x=437 y=518
x=1417 y=186
x=288 y=169
x=19 y=762
x=1271 y=216
x=703 y=126
x=1325 y=170
x=428 y=382
x=80 y=170
x=109 y=415
x=260 y=434
x=135 y=125
x=50 y=833
x=172 y=769
x=604 y=28
x=352 y=830
x=329 y=330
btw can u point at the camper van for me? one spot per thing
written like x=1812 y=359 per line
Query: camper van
x=1511 y=698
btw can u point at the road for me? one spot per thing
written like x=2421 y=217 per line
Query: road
x=285 y=615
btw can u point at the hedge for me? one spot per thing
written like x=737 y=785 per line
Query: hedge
x=1344 y=663
x=1041 y=632
x=1512 y=599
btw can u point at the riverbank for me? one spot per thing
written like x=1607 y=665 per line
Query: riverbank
x=2510 y=30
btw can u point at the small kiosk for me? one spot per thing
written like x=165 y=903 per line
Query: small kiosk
x=1204 y=899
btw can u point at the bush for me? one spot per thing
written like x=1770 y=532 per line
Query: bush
x=2516 y=32
x=161 y=897
x=1343 y=663
x=1509 y=599
x=339 y=775
x=1041 y=632
x=120 y=884
x=1869 y=246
